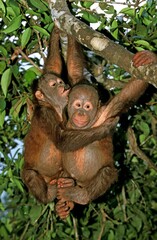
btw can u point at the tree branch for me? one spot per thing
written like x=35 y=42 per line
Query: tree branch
x=18 y=51
x=137 y=151
x=99 y=43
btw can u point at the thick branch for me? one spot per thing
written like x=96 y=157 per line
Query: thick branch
x=100 y=44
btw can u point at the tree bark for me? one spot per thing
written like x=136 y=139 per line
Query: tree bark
x=99 y=43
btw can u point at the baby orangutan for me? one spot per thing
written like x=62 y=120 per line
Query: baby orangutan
x=92 y=167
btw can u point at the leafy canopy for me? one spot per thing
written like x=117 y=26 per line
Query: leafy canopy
x=129 y=209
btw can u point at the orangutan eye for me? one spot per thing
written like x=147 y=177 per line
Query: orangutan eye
x=52 y=83
x=88 y=106
x=61 y=82
x=77 y=104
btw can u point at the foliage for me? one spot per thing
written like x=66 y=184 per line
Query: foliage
x=129 y=209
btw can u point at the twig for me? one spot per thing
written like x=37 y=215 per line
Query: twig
x=16 y=53
x=43 y=211
x=124 y=203
x=138 y=189
x=137 y=151
x=25 y=230
x=75 y=228
x=102 y=224
x=40 y=45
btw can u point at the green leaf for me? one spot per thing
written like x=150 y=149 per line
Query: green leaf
x=147 y=21
x=120 y=232
x=114 y=29
x=16 y=108
x=2 y=118
x=110 y=10
x=5 y=81
x=29 y=76
x=15 y=6
x=10 y=13
x=137 y=223
x=128 y=11
x=141 y=30
x=2 y=6
x=92 y=18
x=32 y=13
x=103 y=5
x=15 y=24
x=25 y=37
x=41 y=30
x=35 y=70
x=142 y=138
x=35 y=213
x=2 y=104
x=111 y=235
x=38 y=4
x=2 y=66
x=145 y=128
x=87 y=4
x=4 y=232
x=142 y=42
x=3 y=51
x=18 y=184
x=139 y=49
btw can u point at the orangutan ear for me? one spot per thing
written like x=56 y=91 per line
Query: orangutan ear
x=39 y=95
